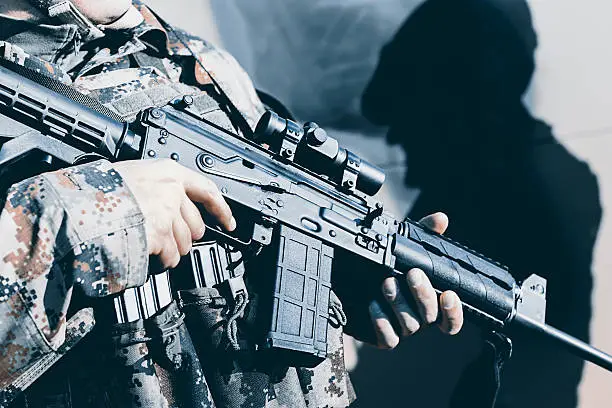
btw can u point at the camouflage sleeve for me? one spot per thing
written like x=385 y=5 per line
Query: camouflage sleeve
x=77 y=228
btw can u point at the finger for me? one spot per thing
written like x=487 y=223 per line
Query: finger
x=452 y=313
x=169 y=255
x=407 y=317
x=437 y=222
x=350 y=352
x=193 y=218
x=200 y=189
x=424 y=295
x=153 y=241
x=182 y=235
x=159 y=230
x=386 y=336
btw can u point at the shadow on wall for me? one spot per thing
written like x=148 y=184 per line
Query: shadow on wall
x=450 y=85
x=315 y=56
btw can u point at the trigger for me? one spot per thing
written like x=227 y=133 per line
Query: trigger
x=216 y=234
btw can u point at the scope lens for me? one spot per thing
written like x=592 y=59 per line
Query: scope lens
x=371 y=178
x=269 y=128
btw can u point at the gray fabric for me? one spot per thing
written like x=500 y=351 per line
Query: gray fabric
x=132 y=103
x=53 y=43
x=43 y=5
x=315 y=56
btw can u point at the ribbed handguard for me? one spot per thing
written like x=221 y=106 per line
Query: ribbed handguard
x=485 y=287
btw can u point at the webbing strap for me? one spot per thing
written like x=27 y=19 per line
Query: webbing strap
x=130 y=105
x=235 y=113
x=66 y=12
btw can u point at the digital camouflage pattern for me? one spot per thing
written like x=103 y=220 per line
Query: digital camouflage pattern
x=241 y=380
x=74 y=229
x=80 y=230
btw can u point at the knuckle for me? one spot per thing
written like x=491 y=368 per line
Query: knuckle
x=209 y=183
x=166 y=165
x=208 y=196
x=387 y=342
x=220 y=199
x=429 y=309
x=204 y=183
x=452 y=321
x=426 y=299
x=155 y=247
x=166 y=227
x=410 y=327
x=198 y=232
x=430 y=318
x=163 y=227
x=389 y=290
x=173 y=260
x=387 y=339
x=381 y=325
x=178 y=193
x=169 y=206
x=212 y=187
x=390 y=343
x=427 y=295
x=185 y=248
x=168 y=162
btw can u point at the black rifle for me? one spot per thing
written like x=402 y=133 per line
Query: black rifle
x=300 y=203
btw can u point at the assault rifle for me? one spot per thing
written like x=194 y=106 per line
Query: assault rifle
x=301 y=203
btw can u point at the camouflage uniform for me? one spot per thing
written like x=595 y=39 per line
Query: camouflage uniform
x=77 y=234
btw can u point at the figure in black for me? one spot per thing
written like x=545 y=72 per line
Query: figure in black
x=451 y=83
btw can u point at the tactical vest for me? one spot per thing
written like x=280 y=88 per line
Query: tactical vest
x=153 y=362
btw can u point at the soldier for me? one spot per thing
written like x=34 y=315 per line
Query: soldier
x=85 y=232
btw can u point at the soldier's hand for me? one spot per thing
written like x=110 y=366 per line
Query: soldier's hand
x=429 y=306
x=166 y=192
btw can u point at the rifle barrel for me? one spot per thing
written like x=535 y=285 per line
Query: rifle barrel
x=574 y=345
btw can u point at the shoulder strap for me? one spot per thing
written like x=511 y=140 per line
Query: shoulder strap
x=67 y=13
x=235 y=113
x=479 y=383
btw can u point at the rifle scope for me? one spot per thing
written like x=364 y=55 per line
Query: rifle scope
x=311 y=147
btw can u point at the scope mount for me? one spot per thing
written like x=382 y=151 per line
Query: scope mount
x=311 y=147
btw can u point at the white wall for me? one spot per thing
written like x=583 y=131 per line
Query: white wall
x=572 y=90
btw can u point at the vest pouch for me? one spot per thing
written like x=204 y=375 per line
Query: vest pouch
x=133 y=379
x=236 y=378
x=176 y=362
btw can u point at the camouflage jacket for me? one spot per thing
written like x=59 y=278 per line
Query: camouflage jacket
x=80 y=229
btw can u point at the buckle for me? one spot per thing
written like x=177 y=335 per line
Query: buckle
x=69 y=14
x=237 y=287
